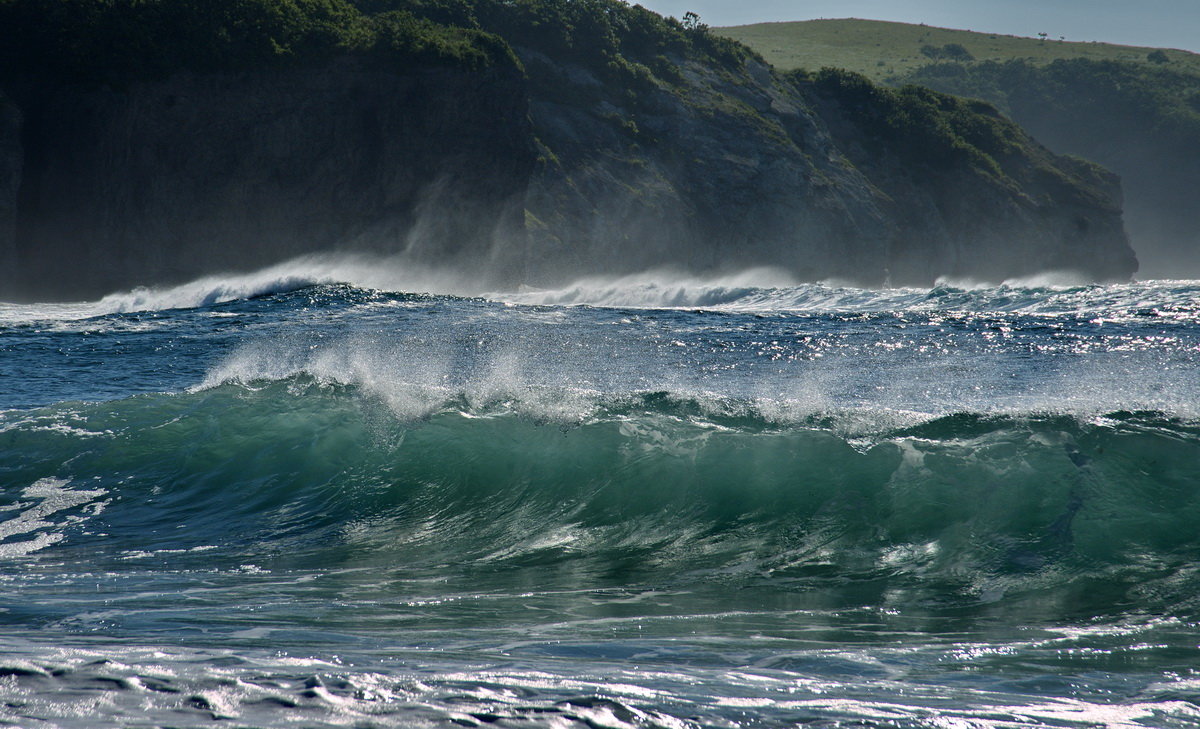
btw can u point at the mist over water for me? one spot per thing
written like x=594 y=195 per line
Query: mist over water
x=344 y=492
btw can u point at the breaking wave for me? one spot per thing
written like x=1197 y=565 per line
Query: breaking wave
x=766 y=290
x=1073 y=515
x=760 y=289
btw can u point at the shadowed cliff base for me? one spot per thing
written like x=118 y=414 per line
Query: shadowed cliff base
x=472 y=137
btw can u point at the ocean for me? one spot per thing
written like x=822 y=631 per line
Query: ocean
x=341 y=495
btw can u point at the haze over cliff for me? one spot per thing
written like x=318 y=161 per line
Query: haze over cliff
x=518 y=142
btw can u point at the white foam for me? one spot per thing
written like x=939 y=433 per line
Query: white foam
x=1043 y=280
x=753 y=289
x=33 y=517
x=362 y=271
x=415 y=384
x=412 y=382
x=658 y=289
x=772 y=290
x=553 y=374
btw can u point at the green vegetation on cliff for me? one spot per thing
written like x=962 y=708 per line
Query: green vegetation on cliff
x=1142 y=120
x=617 y=42
x=1110 y=96
x=926 y=128
x=122 y=41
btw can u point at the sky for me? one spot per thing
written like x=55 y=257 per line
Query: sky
x=1160 y=23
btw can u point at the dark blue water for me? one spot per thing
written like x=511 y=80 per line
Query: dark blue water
x=320 y=496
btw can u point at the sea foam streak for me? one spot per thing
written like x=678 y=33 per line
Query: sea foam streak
x=920 y=686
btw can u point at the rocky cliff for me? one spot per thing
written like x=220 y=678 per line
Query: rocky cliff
x=1140 y=120
x=164 y=181
x=826 y=178
x=12 y=158
x=621 y=142
x=973 y=194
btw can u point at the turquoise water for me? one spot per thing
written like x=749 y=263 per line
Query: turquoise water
x=288 y=499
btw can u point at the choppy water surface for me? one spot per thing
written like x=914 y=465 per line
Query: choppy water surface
x=330 y=500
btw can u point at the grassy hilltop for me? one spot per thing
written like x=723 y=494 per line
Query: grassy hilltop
x=884 y=50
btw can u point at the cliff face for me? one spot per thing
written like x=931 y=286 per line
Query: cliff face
x=715 y=176
x=613 y=150
x=165 y=181
x=1141 y=122
x=974 y=196
x=12 y=158
x=824 y=178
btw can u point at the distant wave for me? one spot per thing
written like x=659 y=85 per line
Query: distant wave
x=757 y=289
x=209 y=291
x=359 y=271
x=964 y=508
x=364 y=272
x=767 y=290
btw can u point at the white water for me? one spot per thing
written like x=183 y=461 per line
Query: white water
x=755 y=289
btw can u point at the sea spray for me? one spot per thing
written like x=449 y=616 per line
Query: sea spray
x=755 y=289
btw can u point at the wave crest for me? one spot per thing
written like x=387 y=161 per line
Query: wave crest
x=751 y=290
x=767 y=290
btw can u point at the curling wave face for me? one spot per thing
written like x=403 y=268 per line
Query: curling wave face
x=961 y=510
